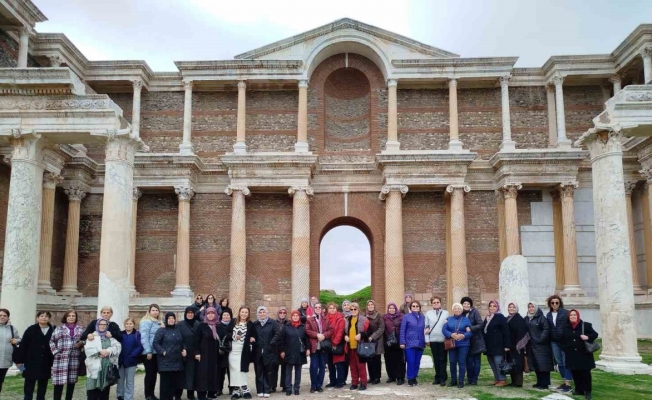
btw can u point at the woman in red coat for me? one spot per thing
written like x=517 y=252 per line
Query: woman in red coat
x=318 y=329
x=336 y=362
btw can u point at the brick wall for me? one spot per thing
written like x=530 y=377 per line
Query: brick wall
x=423 y=121
x=9 y=52
x=528 y=107
x=90 y=233
x=582 y=104
x=347 y=111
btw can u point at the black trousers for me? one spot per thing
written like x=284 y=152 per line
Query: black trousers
x=58 y=391
x=99 y=394
x=288 y=376
x=29 y=389
x=151 y=369
x=281 y=381
x=264 y=375
x=170 y=382
x=394 y=362
x=543 y=378
x=179 y=392
x=583 y=380
x=439 y=358
x=374 y=366
x=3 y=373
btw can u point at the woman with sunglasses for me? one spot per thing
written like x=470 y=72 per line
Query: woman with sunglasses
x=413 y=340
x=197 y=305
x=557 y=320
x=355 y=332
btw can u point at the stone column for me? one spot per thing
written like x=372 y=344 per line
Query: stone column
x=240 y=147
x=135 y=113
x=182 y=287
x=134 y=223
x=394 y=275
x=454 y=143
x=562 y=141
x=458 y=281
x=449 y=287
x=301 y=146
x=300 y=242
x=115 y=248
x=615 y=295
x=71 y=260
x=507 y=144
x=630 y=186
x=552 y=116
x=646 y=200
x=50 y=181
x=571 y=274
x=617 y=82
x=502 y=245
x=512 y=246
x=558 y=229
x=392 y=117
x=23 y=46
x=23 y=230
x=238 y=271
x=185 y=147
x=646 y=54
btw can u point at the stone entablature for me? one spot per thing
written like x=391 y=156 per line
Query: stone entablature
x=426 y=169
x=536 y=167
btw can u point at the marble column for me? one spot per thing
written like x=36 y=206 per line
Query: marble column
x=71 y=260
x=562 y=141
x=115 y=247
x=459 y=283
x=23 y=230
x=137 y=193
x=185 y=147
x=23 y=46
x=182 y=287
x=301 y=146
x=508 y=144
x=630 y=186
x=558 y=233
x=571 y=274
x=238 y=270
x=394 y=274
x=135 y=113
x=300 y=242
x=454 y=143
x=512 y=241
x=240 y=146
x=617 y=83
x=615 y=294
x=392 y=116
x=50 y=181
x=552 y=116
x=502 y=245
x=449 y=287
x=646 y=200
x=646 y=55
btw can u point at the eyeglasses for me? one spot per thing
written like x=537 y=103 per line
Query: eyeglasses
x=554 y=302
x=435 y=302
x=282 y=312
x=199 y=297
x=416 y=306
x=353 y=309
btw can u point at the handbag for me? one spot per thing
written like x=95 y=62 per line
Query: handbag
x=367 y=349
x=225 y=347
x=113 y=375
x=325 y=345
x=506 y=367
x=391 y=340
x=591 y=347
x=450 y=343
x=338 y=349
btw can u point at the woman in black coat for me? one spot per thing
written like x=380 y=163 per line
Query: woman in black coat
x=187 y=328
x=294 y=351
x=268 y=337
x=207 y=354
x=224 y=331
x=35 y=355
x=497 y=340
x=169 y=347
x=578 y=360
x=519 y=337
x=539 y=352
x=474 y=358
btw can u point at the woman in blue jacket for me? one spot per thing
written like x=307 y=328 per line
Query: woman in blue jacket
x=149 y=325
x=128 y=360
x=458 y=328
x=413 y=340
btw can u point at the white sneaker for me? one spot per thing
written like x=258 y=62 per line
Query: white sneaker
x=266 y=395
x=260 y=395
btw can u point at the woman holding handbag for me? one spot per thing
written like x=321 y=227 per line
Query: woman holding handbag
x=294 y=351
x=519 y=337
x=66 y=351
x=9 y=338
x=319 y=333
x=578 y=339
x=394 y=363
x=355 y=332
x=457 y=331
x=336 y=358
x=208 y=356
x=412 y=339
x=102 y=353
x=497 y=341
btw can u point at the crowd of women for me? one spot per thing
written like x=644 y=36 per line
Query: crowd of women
x=211 y=346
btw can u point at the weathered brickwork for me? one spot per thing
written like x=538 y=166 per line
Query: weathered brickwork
x=528 y=107
x=9 y=52
x=423 y=122
x=480 y=120
x=582 y=104
x=348 y=110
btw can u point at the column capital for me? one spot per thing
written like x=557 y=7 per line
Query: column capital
x=184 y=193
x=308 y=189
x=386 y=189
x=303 y=83
x=500 y=197
x=232 y=188
x=75 y=193
x=647 y=173
x=615 y=78
x=55 y=60
x=504 y=80
x=188 y=84
x=51 y=180
x=557 y=80
x=136 y=194
x=629 y=187
x=392 y=82
x=464 y=188
x=452 y=82
x=25 y=145
x=510 y=191
x=137 y=84
x=550 y=88
x=242 y=85
x=602 y=142
x=25 y=31
x=121 y=147
x=646 y=52
x=567 y=189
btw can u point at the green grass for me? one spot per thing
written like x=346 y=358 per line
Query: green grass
x=361 y=296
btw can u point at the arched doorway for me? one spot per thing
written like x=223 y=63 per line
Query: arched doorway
x=345 y=261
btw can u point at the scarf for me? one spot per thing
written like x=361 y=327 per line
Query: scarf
x=225 y=323
x=392 y=316
x=512 y=315
x=332 y=318
x=346 y=313
x=574 y=324
x=292 y=322
x=71 y=329
x=190 y=321
x=491 y=315
x=262 y=321
x=211 y=324
x=278 y=315
x=167 y=315
x=372 y=314
x=406 y=304
x=97 y=327
x=536 y=308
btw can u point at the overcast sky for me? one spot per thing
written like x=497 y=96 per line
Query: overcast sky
x=345 y=260
x=163 y=31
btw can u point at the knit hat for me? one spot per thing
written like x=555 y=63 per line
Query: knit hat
x=467 y=298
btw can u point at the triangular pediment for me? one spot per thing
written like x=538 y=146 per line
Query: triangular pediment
x=284 y=48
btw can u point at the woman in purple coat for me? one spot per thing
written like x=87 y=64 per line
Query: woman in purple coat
x=413 y=340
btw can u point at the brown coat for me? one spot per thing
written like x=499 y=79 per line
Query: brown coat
x=377 y=331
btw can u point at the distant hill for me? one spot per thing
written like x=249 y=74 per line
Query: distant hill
x=361 y=296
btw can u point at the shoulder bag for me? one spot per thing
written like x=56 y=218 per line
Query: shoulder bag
x=225 y=347
x=450 y=343
x=591 y=347
x=391 y=339
x=366 y=349
x=113 y=375
x=338 y=349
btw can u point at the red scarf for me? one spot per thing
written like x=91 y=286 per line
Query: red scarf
x=293 y=322
x=574 y=324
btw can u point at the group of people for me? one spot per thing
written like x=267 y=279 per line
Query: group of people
x=198 y=353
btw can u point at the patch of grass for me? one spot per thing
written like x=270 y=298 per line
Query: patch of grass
x=361 y=297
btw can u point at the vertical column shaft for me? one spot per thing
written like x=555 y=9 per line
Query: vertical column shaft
x=454 y=143
x=238 y=270
x=646 y=201
x=507 y=144
x=646 y=54
x=182 y=287
x=562 y=140
x=23 y=46
x=449 y=279
x=186 y=145
x=50 y=181
x=511 y=220
x=558 y=231
x=71 y=260
x=392 y=116
x=300 y=242
x=552 y=116
x=241 y=124
x=137 y=193
x=630 y=186
x=302 y=118
x=571 y=273
x=394 y=273
x=502 y=244
x=135 y=113
x=459 y=282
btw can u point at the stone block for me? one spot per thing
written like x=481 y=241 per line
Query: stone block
x=513 y=283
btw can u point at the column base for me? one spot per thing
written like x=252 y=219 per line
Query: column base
x=392 y=146
x=563 y=144
x=182 y=291
x=186 y=149
x=572 y=291
x=508 y=145
x=70 y=292
x=639 y=291
x=455 y=145
x=623 y=365
x=301 y=147
x=45 y=288
x=240 y=148
x=133 y=292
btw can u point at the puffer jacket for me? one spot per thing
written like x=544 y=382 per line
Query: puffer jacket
x=148 y=329
x=477 y=340
x=168 y=340
x=539 y=352
x=557 y=330
x=7 y=332
x=412 y=328
x=436 y=324
x=458 y=324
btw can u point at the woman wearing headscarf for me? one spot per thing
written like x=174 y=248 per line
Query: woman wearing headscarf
x=579 y=361
x=66 y=351
x=539 y=352
x=169 y=346
x=304 y=310
x=266 y=352
x=405 y=307
x=458 y=328
x=294 y=351
x=210 y=302
x=355 y=332
x=497 y=340
x=187 y=329
x=435 y=320
x=413 y=340
x=346 y=308
x=224 y=306
x=35 y=355
x=244 y=338
x=281 y=320
x=102 y=353
x=519 y=337
x=336 y=362
x=318 y=329
x=149 y=325
x=474 y=358
x=377 y=328
x=207 y=354
x=224 y=330
x=394 y=363
x=346 y=312
x=9 y=338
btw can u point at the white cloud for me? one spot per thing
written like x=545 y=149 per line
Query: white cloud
x=345 y=260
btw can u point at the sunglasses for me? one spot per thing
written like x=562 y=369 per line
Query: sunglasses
x=416 y=306
x=353 y=309
x=199 y=297
x=282 y=312
x=554 y=302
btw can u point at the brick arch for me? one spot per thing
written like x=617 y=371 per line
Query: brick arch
x=316 y=102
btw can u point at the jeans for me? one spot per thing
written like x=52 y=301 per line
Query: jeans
x=494 y=362
x=317 y=369
x=560 y=359
x=457 y=357
x=413 y=360
x=439 y=356
x=473 y=365
x=58 y=391
x=151 y=368
x=28 y=388
x=288 y=376
x=125 y=386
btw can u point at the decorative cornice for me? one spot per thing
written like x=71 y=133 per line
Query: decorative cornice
x=184 y=193
x=238 y=65
x=386 y=189
x=231 y=188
